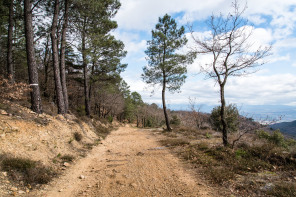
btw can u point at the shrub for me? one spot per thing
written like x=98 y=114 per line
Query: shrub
x=29 y=171
x=110 y=119
x=287 y=190
x=276 y=138
x=231 y=116
x=175 y=120
x=239 y=153
x=68 y=158
x=12 y=91
x=208 y=135
x=19 y=164
x=174 y=142
x=81 y=110
x=78 y=136
x=220 y=175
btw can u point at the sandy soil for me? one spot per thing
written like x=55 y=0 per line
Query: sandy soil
x=130 y=162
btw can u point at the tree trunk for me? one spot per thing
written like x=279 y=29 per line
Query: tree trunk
x=10 y=73
x=62 y=57
x=32 y=66
x=86 y=93
x=164 y=106
x=45 y=63
x=222 y=114
x=137 y=120
x=55 y=57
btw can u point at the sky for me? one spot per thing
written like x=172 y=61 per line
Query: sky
x=274 y=23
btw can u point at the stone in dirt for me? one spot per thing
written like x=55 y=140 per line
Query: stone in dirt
x=13 y=189
x=3 y=112
x=134 y=185
x=82 y=177
x=66 y=164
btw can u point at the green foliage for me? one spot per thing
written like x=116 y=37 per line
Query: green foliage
x=239 y=153
x=129 y=109
x=175 y=120
x=81 y=110
x=136 y=98
x=164 y=64
x=276 y=137
x=231 y=116
x=208 y=135
x=110 y=119
x=151 y=121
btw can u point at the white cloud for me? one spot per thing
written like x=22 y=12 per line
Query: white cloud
x=258 y=90
x=252 y=90
x=274 y=22
x=132 y=41
x=256 y=19
x=142 y=15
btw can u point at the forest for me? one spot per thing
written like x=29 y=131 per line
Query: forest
x=64 y=55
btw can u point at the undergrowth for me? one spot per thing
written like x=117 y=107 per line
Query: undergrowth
x=261 y=152
x=26 y=170
x=283 y=190
x=174 y=142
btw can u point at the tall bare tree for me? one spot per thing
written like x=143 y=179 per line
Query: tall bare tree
x=232 y=52
x=31 y=61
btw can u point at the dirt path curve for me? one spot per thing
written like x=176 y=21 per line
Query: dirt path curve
x=130 y=162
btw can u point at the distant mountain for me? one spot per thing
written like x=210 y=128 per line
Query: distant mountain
x=282 y=113
x=288 y=128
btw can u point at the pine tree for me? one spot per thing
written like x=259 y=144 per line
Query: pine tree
x=31 y=61
x=165 y=66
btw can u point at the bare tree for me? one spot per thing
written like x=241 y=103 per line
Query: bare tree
x=196 y=113
x=232 y=52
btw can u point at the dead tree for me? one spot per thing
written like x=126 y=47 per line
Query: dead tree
x=232 y=52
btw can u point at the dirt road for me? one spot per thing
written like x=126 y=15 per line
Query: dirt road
x=130 y=162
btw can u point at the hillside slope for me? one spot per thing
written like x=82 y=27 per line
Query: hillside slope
x=52 y=141
x=288 y=128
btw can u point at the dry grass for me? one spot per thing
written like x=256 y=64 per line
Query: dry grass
x=283 y=190
x=174 y=142
x=249 y=158
x=67 y=158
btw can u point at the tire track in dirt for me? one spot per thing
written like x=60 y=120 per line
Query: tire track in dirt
x=130 y=162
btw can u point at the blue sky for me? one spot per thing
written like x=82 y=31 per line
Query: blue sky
x=274 y=22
